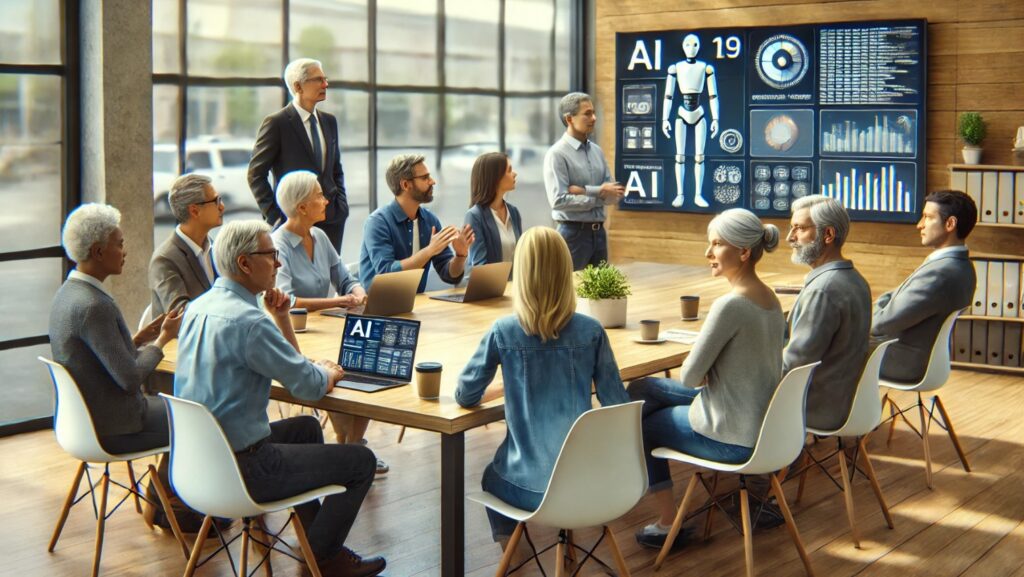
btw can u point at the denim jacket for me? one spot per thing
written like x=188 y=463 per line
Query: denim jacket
x=547 y=386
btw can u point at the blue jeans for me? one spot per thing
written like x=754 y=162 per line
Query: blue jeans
x=587 y=246
x=502 y=526
x=666 y=423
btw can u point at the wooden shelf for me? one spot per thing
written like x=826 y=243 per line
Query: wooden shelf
x=980 y=167
x=996 y=368
x=996 y=256
x=988 y=318
x=1000 y=225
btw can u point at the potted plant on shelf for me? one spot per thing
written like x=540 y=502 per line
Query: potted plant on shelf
x=602 y=292
x=971 y=129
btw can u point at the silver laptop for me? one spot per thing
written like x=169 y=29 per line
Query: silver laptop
x=377 y=353
x=393 y=293
x=486 y=281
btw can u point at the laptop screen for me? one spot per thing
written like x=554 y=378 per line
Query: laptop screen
x=379 y=346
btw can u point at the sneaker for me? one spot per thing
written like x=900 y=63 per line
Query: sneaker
x=347 y=564
x=653 y=537
x=382 y=467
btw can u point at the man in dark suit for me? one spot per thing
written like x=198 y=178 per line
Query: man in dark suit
x=299 y=137
x=915 y=311
x=182 y=266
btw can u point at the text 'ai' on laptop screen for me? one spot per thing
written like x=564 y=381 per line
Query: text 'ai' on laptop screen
x=380 y=346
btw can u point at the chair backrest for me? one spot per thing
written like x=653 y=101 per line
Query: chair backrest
x=203 y=471
x=147 y=316
x=782 y=434
x=600 y=472
x=866 y=411
x=72 y=423
x=938 y=369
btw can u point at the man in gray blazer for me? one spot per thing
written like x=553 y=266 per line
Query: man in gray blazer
x=182 y=266
x=300 y=137
x=832 y=316
x=915 y=311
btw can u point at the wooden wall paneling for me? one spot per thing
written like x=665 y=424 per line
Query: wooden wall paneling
x=989 y=10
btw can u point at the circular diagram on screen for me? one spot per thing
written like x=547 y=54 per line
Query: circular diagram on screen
x=731 y=140
x=782 y=61
x=781 y=132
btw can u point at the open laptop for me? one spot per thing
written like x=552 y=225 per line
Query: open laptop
x=393 y=293
x=486 y=281
x=377 y=352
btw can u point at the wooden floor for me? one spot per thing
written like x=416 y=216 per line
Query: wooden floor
x=970 y=525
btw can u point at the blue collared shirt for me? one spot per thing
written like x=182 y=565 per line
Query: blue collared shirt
x=571 y=162
x=387 y=239
x=228 y=352
x=304 y=278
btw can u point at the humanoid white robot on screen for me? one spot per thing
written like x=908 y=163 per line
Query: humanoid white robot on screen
x=691 y=76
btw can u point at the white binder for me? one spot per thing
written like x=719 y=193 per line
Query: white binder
x=995 y=343
x=979 y=340
x=958 y=180
x=1011 y=288
x=962 y=341
x=995 y=289
x=1004 y=202
x=981 y=275
x=974 y=188
x=1011 y=344
x=989 y=197
x=1018 y=215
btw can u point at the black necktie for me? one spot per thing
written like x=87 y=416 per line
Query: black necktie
x=318 y=152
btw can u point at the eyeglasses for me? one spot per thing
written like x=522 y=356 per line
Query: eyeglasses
x=317 y=79
x=217 y=199
x=427 y=175
x=273 y=253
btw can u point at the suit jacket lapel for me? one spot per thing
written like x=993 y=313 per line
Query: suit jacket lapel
x=190 y=257
x=300 y=131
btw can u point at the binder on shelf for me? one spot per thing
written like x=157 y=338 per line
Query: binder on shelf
x=979 y=341
x=1018 y=215
x=958 y=180
x=1004 y=200
x=974 y=188
x=962 y=341
x=989 y=197
x=1011 y=288
x=978 y=307
x=1011 y=344
x=995 y=288
x=995 y=343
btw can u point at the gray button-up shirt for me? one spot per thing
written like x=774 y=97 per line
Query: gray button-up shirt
x=830 y=322
x=571 y=162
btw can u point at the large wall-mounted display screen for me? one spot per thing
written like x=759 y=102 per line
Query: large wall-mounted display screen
x=711 y=119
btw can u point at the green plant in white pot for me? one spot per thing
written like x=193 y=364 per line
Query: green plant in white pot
x=602 y=292
x=972 y=130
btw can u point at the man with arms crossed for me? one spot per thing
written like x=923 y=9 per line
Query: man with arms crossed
x=915 y=311
x=229 y=350
x=579 y=184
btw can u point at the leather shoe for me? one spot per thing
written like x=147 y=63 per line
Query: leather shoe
x=347 y=564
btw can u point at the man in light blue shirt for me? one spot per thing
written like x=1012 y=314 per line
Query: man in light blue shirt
x=403 y=235
x=579 y=183
x=229 y=350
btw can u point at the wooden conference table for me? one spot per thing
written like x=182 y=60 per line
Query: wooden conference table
x=450 y=333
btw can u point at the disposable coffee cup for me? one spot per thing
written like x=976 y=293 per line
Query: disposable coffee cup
x=690 y=306
x=649 y=329
x=298 y=318
x=428 y=380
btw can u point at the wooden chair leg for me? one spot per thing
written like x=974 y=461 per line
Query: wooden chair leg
x=101 y=521
x=261 y=550
x=924 y=442
x=67 y=506
x=401 y=434
x=870 y=470
x=678 y=522
x=559 y=558
x=804 y=469
x=510 y=550
x=710 y=514
x=307 y=551
x=892 y=420
x=952 y=434
x=197 y=547
x=165 y=503
x=134 y=486
x=748 y=539
x=620 y=562
x=791 y=525
x=848 y=497
x=243 y=561
x=570 y=555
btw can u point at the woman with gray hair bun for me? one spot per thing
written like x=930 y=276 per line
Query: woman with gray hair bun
x=716 y=408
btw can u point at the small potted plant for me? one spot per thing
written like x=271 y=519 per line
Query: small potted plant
x=971 y=129
x=602 y=292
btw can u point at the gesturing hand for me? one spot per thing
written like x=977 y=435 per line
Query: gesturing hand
x=463 y=240
x=440 y=239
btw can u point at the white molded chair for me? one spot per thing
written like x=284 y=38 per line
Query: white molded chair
x=72 y=425
x=606 y=444
x=778 y=444
x=147 y=316
x=865 y=416
x=935 y=376
x=206 y=477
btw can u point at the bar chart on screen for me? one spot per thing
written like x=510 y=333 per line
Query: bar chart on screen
x=873 y=186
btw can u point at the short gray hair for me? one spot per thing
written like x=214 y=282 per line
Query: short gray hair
x=742 y=229
x=295 y=187
x=570 y=105
x=399 y=169
x=826 y=211
x=187 y=189
x=297 y=71
x=235 y=239
x=86 y=226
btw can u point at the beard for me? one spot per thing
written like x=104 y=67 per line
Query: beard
x=807 y=253
x=423 y=196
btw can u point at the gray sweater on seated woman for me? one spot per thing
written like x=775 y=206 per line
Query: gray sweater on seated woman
x=740 y=351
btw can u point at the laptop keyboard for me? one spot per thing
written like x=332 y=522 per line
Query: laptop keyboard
x=368 y=380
